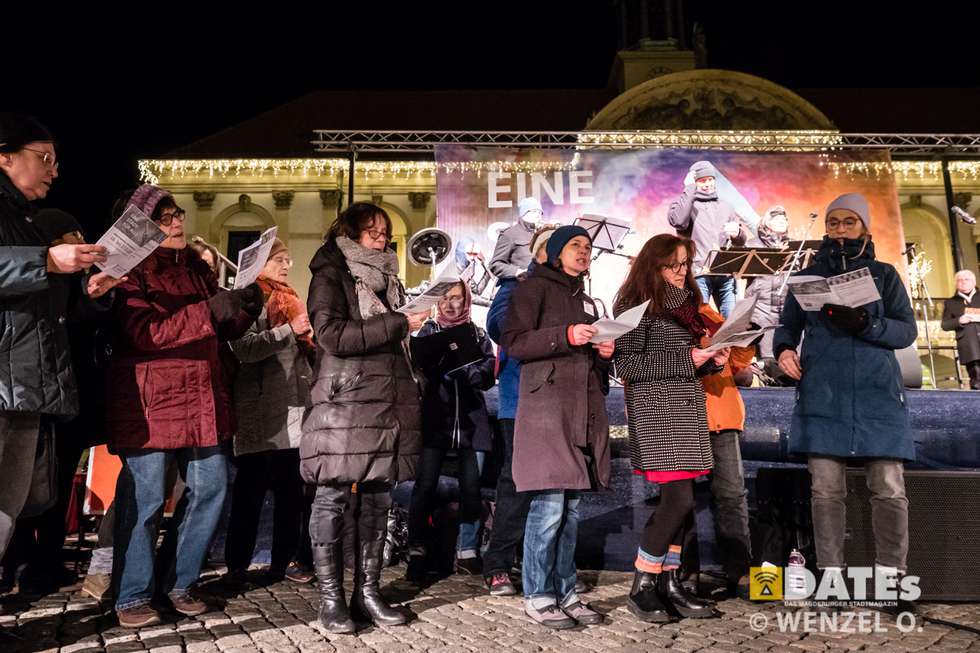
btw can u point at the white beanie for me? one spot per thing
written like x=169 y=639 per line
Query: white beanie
x=528 y=204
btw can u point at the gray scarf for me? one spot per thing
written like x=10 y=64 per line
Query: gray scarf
x=374 y=271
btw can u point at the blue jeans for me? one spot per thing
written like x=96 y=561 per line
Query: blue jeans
x=140 y=495
x=468 y=540
x=549 y=548
x=721 y=289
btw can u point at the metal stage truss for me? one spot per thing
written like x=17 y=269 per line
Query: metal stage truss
x=389 y=142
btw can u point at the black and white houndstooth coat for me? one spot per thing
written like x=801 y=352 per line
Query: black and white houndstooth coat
x=668 y=421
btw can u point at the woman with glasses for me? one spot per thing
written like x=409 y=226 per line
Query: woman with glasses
x=272 y=387
x=454 y=422
x=660 y=363
x=169 y=403
x=851 y=401
x=363 y=426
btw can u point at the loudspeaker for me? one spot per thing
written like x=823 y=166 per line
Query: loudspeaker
x=944 y=529
x=910 y=365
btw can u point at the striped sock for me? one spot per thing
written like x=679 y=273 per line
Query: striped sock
x=673 y=558
x=647 y=563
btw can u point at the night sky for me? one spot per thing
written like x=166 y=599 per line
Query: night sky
x=113 y=93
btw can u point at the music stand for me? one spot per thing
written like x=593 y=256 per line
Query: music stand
x=607 y=233
x=746 y=262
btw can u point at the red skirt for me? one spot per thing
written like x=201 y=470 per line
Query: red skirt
x=667 y=477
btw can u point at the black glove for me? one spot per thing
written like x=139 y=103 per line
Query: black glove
x=252 y=299
x=849 y=320
x=227 y=304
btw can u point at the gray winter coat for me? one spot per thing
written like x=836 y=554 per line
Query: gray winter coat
x=769 y=307
x=703 y=221
x=512 y=255
x=35 y=362
x=272 y=388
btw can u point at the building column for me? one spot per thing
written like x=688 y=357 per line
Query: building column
x=203 y=200
x=331 y=200
x=283 y=200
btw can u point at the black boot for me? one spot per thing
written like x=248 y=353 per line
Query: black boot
x=644 y=601
x=674 y=595
x=366 y=603
x=330 y=583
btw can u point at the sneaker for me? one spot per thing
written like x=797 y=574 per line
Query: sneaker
x=500 y=584
x=582 y=587
x=98 y=586
x=138 y=616
x=550 y=616
x=469 y=566
x=584 y=614
x=186 y=604
x=298 y=573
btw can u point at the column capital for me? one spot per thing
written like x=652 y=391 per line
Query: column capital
x=204 y=199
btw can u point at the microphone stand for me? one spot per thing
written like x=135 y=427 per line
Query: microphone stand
x=922 y=290
x=797 y=254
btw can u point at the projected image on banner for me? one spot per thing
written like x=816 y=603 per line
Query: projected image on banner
x=479 y=190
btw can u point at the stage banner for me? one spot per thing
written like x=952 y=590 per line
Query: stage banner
x=478 y=190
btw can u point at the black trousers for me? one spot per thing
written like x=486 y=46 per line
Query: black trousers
x=973 y=369
x=40 y=540
x=367 y=513
x=257 y=473
x=510 y=513
x=427 y=482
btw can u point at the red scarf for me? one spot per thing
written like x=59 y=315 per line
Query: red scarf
x=283 y=305
x=689 y=317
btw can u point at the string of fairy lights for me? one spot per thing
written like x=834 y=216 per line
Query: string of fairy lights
x=153 y=170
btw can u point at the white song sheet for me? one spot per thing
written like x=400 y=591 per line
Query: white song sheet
x=623 y=324
x=851 y=289
x=252 y=259
x=430 y=297
x=131 y=239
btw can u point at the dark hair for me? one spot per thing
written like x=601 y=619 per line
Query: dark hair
x=355 y=219
x=645 y=281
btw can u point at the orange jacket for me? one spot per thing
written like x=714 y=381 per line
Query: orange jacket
x=724 y=403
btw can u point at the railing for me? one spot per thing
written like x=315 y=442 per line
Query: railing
x=226 y=267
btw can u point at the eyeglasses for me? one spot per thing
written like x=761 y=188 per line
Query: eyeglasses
x=166 y=219
x=677 y=267
x=377 y=234
x=283 y=260
x=47 y=158
x=834 y=223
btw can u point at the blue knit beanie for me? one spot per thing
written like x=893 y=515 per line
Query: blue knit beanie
x=560 y=238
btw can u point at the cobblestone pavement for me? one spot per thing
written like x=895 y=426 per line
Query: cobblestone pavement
x=456 y=614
